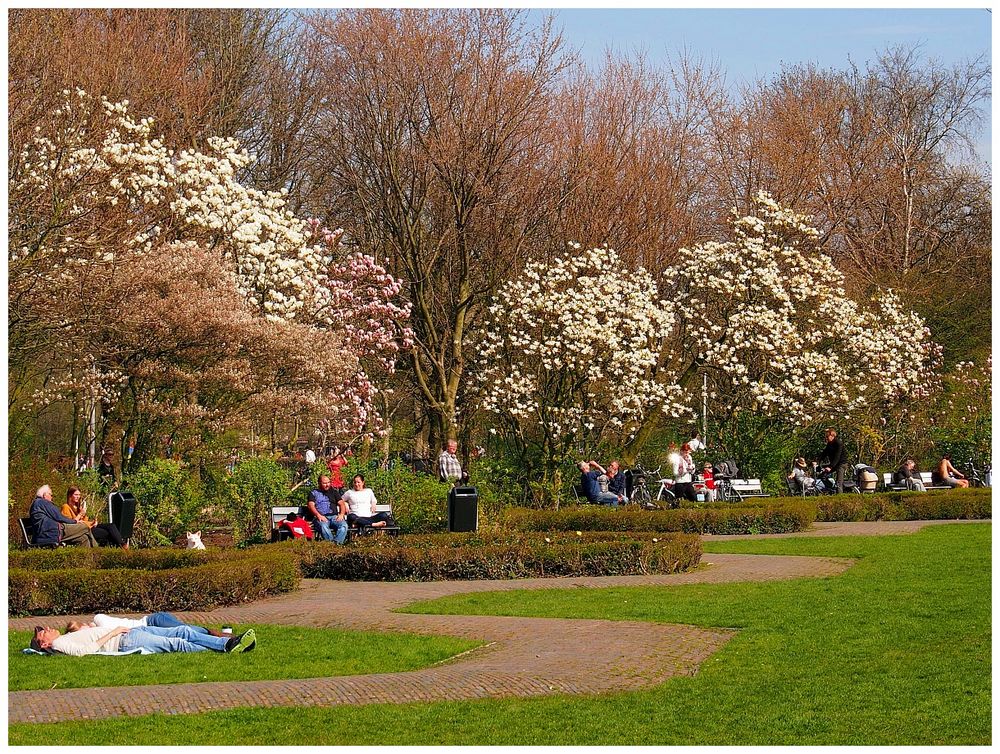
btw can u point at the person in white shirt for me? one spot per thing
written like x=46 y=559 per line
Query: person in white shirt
x=310 y=456
x=361 y=504
x=93 y=639
x=155 y=620
x=695 y=442
x=683 y=467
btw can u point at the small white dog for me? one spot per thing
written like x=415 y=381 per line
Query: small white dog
x=194 y=541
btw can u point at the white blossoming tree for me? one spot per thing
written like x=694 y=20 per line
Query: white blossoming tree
x=571 y=356
x=97 y=201
x=766 y=316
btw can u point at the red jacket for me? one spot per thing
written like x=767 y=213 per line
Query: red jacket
x=298 y=526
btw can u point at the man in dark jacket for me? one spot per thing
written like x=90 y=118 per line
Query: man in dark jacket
x=52 y=527
x=834 y=458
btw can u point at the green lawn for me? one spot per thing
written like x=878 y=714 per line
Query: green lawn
x=282 y=652
x=894 y=651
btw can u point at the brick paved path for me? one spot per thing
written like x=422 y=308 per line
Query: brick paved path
x=523 y=657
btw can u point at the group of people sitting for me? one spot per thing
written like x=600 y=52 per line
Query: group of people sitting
x=829 y=470
x=335 y=510
x=152 y=634
x=608 y=487
x=70 y=525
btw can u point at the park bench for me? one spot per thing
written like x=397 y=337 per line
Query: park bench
x=364 y=531
x=748 y=487
x=28 y=532
x=925 y=476
x=278 y=514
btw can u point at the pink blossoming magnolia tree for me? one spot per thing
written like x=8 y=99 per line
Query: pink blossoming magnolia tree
x=111 y=225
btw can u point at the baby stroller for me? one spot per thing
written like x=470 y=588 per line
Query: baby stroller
x=724 y=472
x=829 y=480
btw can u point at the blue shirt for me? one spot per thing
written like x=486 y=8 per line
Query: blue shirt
x=590 y=486
x=324 y=506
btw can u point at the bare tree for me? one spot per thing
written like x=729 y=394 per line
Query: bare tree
x=434 y=127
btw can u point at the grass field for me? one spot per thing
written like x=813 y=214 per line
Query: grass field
x=894 y=651
x=282 y=652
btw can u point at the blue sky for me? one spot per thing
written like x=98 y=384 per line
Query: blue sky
x=750 y=43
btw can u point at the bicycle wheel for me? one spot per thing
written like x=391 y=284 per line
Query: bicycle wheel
x=641 y=494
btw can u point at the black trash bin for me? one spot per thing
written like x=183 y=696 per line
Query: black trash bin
x=463 y=509
x=121 y=510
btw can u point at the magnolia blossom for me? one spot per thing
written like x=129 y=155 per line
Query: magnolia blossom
x=767 y=316
x=101 y=206
x=572 y=349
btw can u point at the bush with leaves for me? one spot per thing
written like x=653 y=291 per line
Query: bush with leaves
x=256 y=485
x=168 y=502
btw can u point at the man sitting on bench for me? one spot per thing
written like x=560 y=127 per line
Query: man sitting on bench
x=361 y=504
x=328 y=512
x=591 y=488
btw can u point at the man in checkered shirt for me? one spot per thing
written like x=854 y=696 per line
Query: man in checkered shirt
x=449 y=467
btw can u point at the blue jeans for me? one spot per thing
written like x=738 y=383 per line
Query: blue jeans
x=174 y=639
x=327 y=534
x=169 y=620
x=607 y=498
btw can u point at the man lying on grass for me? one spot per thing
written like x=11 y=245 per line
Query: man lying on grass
x=88 y=640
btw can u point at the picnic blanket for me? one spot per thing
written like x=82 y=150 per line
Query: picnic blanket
x=136 y=651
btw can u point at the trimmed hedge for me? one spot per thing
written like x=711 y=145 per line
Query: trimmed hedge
x=771 y=517
x=220 y=581
x=393 y=559
x=906 y=506
x=101 y=558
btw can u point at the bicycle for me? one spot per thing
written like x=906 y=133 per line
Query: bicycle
x=973 y=474
x=640 y=489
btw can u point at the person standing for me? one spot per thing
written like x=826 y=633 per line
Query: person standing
x=684 y=468
x=834 y=458
x=52 y=527
x=106 y=471
x=336 y=465
x=449 y=467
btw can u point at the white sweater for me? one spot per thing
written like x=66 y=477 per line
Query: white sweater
x=85 y=641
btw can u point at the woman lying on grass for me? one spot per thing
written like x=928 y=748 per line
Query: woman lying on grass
x=88 y=640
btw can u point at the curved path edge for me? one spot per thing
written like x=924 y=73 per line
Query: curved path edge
x=522 y=657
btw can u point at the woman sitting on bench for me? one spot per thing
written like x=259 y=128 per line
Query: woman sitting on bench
x=76 y=508
x=361 y=504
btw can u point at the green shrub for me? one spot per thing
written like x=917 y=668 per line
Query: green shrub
x=406 y=559
x=906 y=506
x=221 y=581
x=102 y=558
x=770 y=516
x=167 y=499
x=255 y=486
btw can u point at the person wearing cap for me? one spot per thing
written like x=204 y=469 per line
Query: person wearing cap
x=52 y=527
x=90 y=640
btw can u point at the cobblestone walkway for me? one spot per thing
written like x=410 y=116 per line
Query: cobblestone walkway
x=522 y=657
